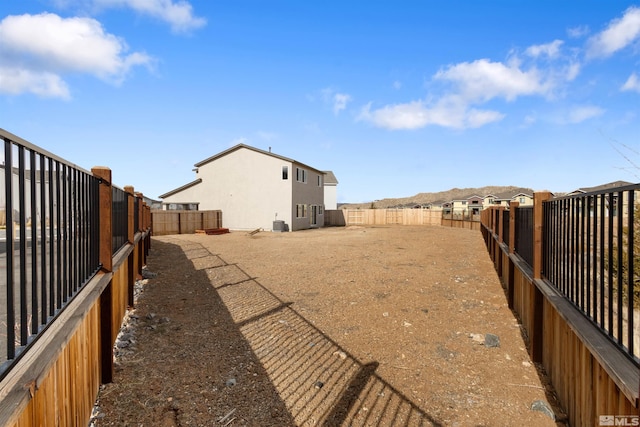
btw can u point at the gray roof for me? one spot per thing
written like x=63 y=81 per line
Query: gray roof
x=607 y=186
x=179 y=189
x=508 y=195
x=330 y=178
x=248 y=147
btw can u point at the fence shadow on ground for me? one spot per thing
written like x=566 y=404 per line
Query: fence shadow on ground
x=319 y=382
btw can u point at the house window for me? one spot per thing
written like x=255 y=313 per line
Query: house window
x=301 y=211
x=285 y=172
x=301 y=175
x=319 y=181
x=522 y=200
x=320 y=210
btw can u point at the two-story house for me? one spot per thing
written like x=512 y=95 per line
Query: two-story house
x=255 y=189
x=524 y=196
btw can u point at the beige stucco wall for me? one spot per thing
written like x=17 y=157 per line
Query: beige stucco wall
x=331 y=197
x=524 y=200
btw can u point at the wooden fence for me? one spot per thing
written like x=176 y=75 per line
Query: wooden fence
x=184 y=222
x=56 y=379
x=346 y=217
x=590 y=375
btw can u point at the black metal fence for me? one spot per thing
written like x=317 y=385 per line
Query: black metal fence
x=591 y=255
x=119 y=218
x=51 y=246
x=505 y=225
x=136 y=213
x=524 y=233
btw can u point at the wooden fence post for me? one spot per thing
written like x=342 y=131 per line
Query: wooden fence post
x=105 y=204
x=513 y=207
x=538 y=298
x=538 y=224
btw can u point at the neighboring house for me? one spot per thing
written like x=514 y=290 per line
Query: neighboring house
x=471 y=205
x=255 y=188
x=611 y=201
x=153 y=204
x=524 y=196
x=609 y=186
x=489 y=200
x=330 y=191
x=434 y=205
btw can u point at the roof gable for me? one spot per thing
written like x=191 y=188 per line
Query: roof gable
x=257 y=150
x=508 y=195
x=179 y=189
x=330 y=178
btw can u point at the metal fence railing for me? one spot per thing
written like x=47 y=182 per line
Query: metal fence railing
x=136 y=213
x=591 y=255
x=119 y=218
x=524 y=234
x=505 y=226
x=50 y=244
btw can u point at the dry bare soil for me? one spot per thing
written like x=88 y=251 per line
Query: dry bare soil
x=373 y=326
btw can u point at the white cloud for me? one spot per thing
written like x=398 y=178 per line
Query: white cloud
x=337 y=100
x=632 y=84
x=582 y=113
x=15 y=81
x=577 y=32
x=472 y=83
x=448 y=112
x=340 y=101
x=477 y=118
x=42 y=47
x=397 y=84
x=551 y=50
x=619 y=34
x=572 y=70
x=413 y=115
x=482 y=80
x=179 y=15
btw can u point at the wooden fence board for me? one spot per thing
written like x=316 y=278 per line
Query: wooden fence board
x=184 y=222
x=366 y=217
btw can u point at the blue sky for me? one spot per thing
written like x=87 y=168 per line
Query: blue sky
x=396 y=98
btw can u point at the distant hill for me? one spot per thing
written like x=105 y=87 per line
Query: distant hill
x=423 y=198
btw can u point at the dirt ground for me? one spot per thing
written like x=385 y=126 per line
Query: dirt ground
x=354 y=326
